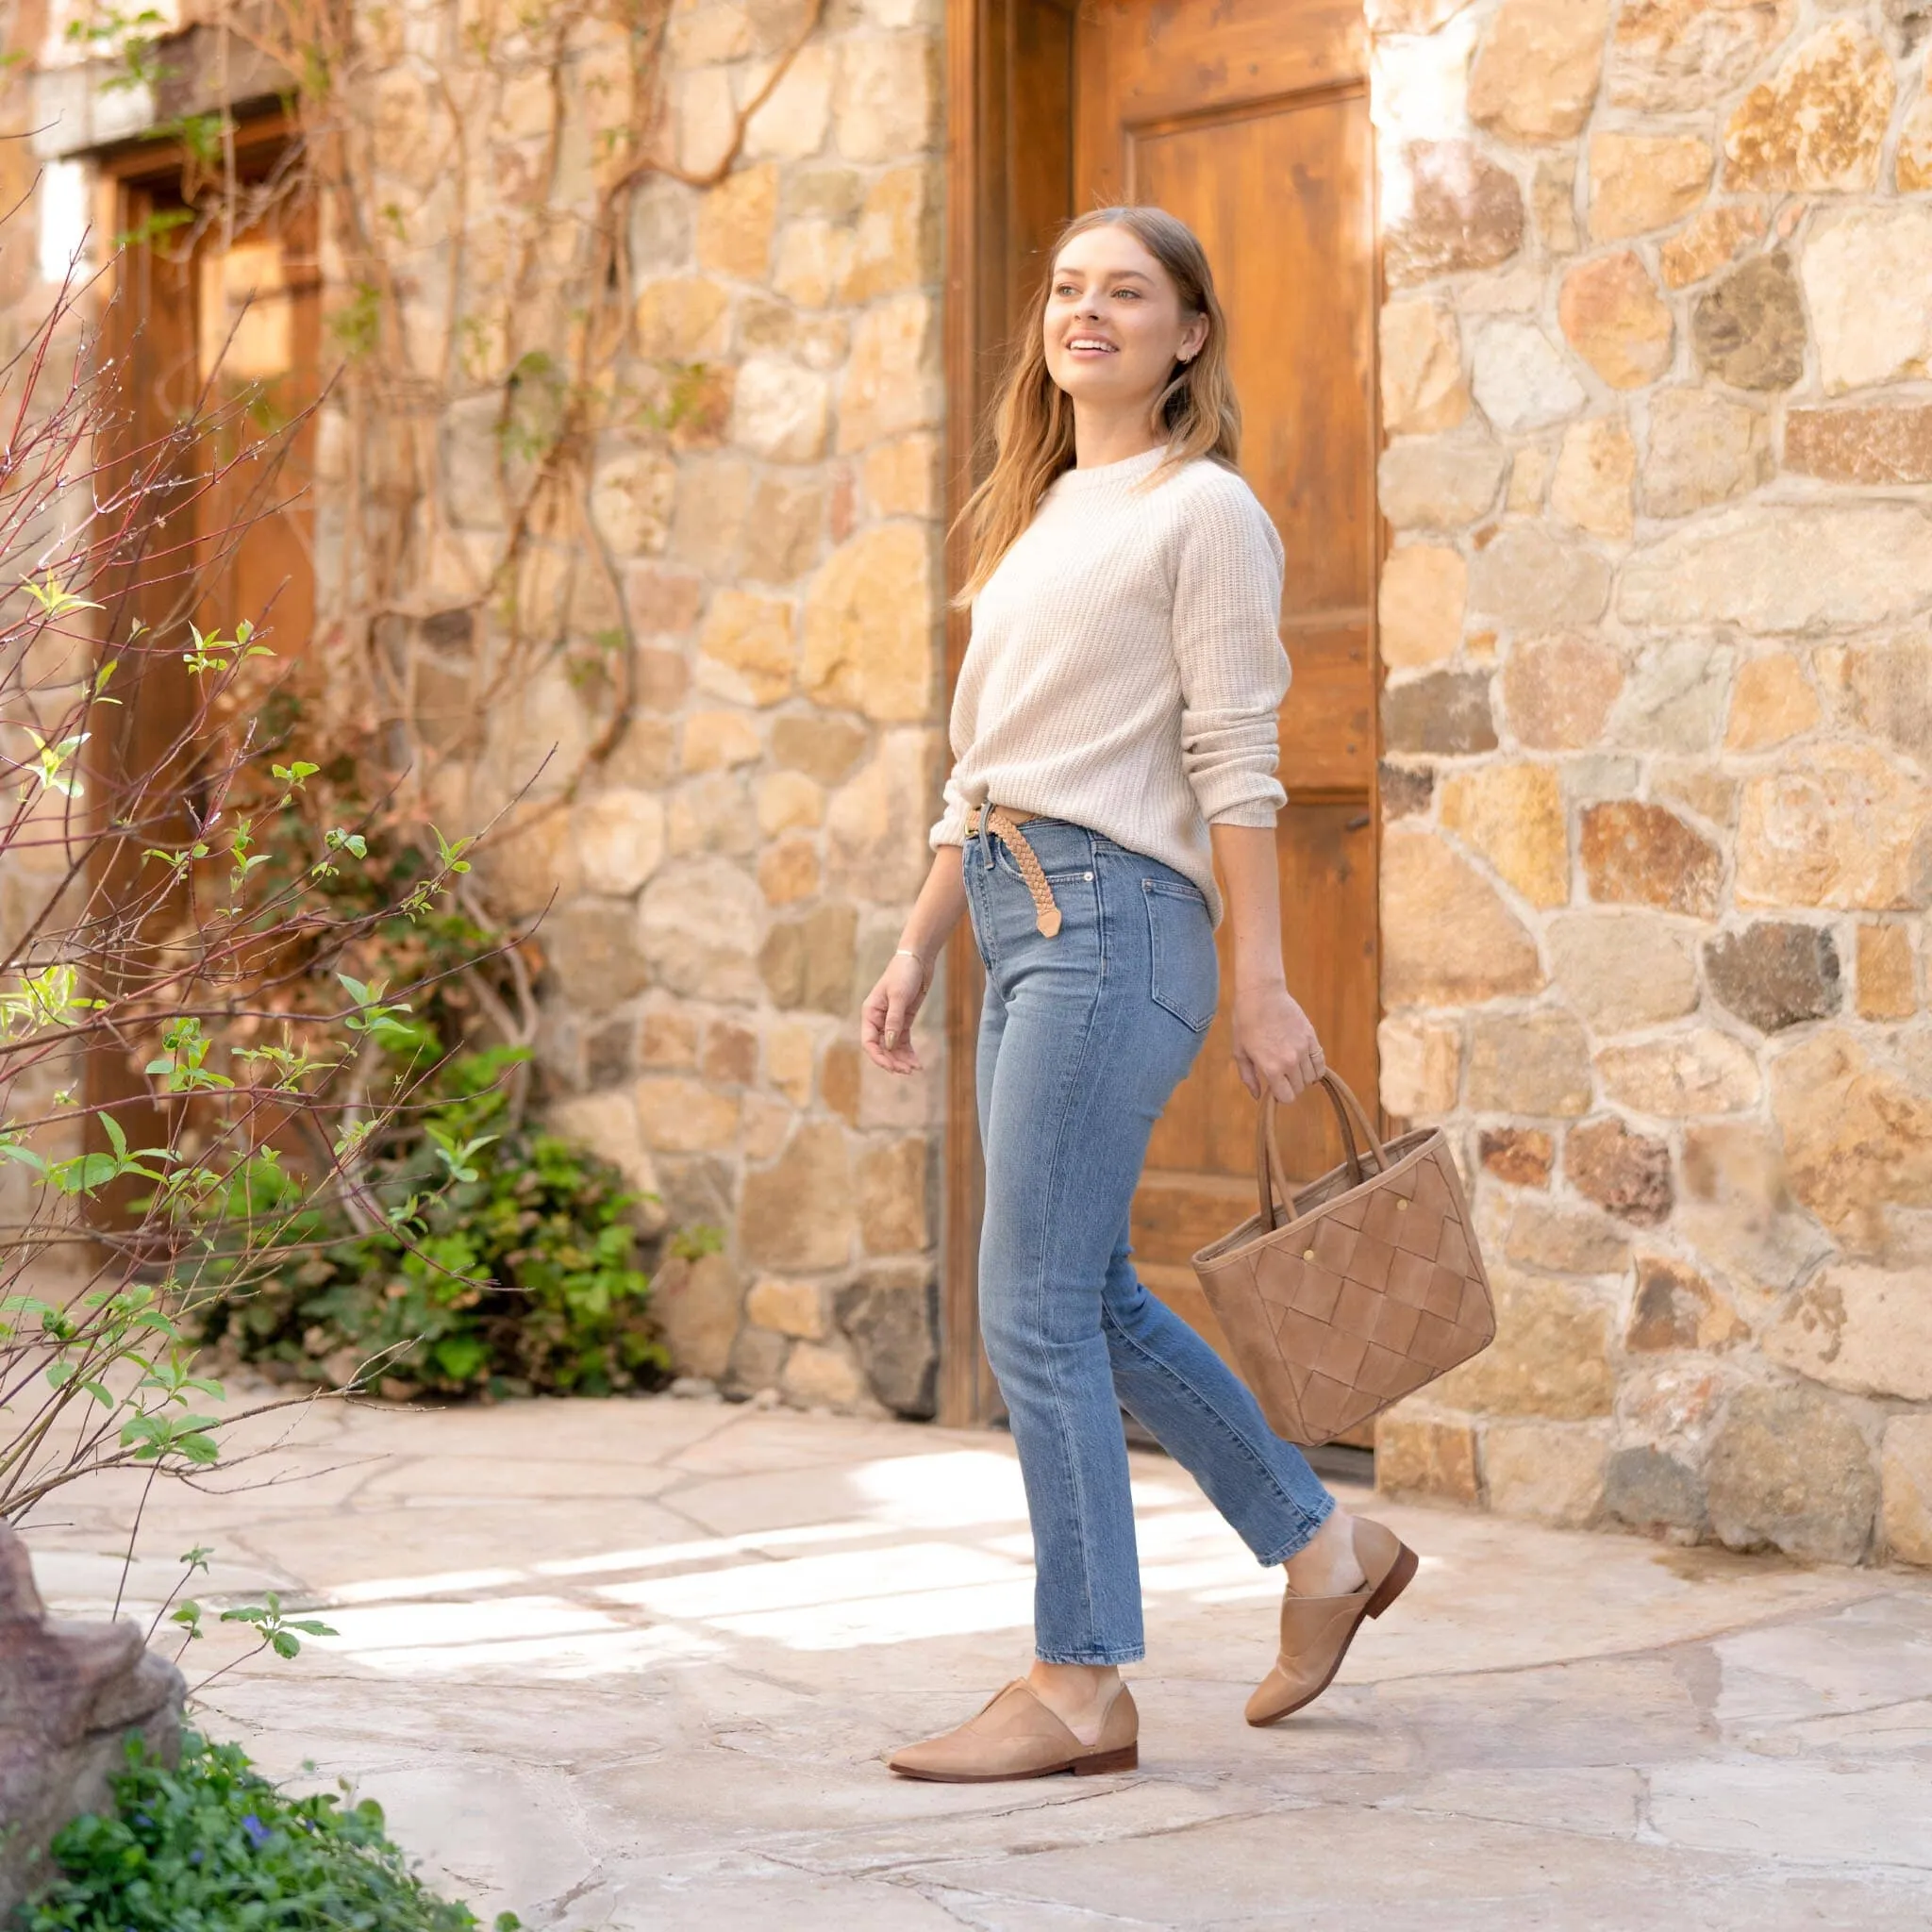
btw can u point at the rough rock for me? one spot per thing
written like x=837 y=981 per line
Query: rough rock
x=1622 y=970
x=1851 y=445
x=1905 y=1480
x=1868 y=281
x=1648 y=1490
x=1521 y=379
x=1642 y=854
x=820 y=1376
x=1784 y=568
x=1790 y=1469
x=1446 y=714
x=1536 y=72
x=892 y=1320
x=1421 y=1064
x=1675 y=699
x=592 y=948
x=1627 y=1174
x=750 y=639
x=1703 y=448
x=1674 y=56
x=1550 y=1358
x=1868 y=1330
x=1675 y=1308
x=1521 y=1156
x=797 y=1213
x=1567 y=1240
x=1549 y=1472
x=892 y=1218
x=893 y=383
x=1913 y=165
x=1429 y=483
x=1639 y=182
x=1770 y=703
x=1464 y=212
x=696 y=1304
x=679 y=1115
x=1420 y=605
x=1528 y=1063
x=1713 y=238
x=1773 y=977
x=1749 y=331
x=1422 y=1456
x=1819 y=123
x=1447 y=937
x=808 y=961
x=1736 y=1205
x=1886 y=690
x=620 y=837
x=1530 y=579
x=69 y=1695
x=1616 y=321
x=1553 y=196
x=1421 y=370
x=1557 y=691
x=824 y=748
x=1885 y=978
x=1842 y=826
x=1406 y=790
x=1697 y=1072
x=1512 y=814
x=787 y=1308
x=1595 y=471
x=698 y=925
x=869 y=625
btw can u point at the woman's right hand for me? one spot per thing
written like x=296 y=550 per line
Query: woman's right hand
x=890 y=1008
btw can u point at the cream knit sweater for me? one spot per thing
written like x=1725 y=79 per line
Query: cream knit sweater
x=1125 y=666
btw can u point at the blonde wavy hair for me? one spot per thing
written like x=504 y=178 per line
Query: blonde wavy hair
x=1033 y=421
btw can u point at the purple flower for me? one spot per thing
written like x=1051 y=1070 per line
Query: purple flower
x=257 y=1832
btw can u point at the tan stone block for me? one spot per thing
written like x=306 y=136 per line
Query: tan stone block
x=1692 y=783
x=821 y=1376
x=696 y=1305
x=876 y=826
x=1518 y=1155
x=787 y=800
x=893 y=1215
x=1433 y=483
x=821 y=747
x=713 y=741
x=1419 y=1456
x=1529 y=478
x=869 y=625
x=1553 y=200
x=1421 y=1065
x=1790 y=1467
x=1736 y=1206
x=1705 y=243
x=1594 y=472
x=788 y=1307
x=698 y=925
x=528 y=862
x=1703 y=448
x=749 y=639
x=1906 y=1487
x=789 y=1049
x=1420 y=607
x=1448 y=938
x=782 y=531
x=885 y=101
x=901 y=479
x=734 y=222
x=630 y=503
x=1412 y=16
x=780 y=411
x=1528 y=578
x=730 y=1056
x=814 y=257
x=789 y=872
x=765 y=1127
x=1842 y=826
x=1550 y=1358
x=1421 y=370
x=1884 y=690
x=1642 y=854
x=1674 y=56
x=713 y=814
x=839 y=1080
x=1638 y=183
x=794 y=119
x=1616 y=321
x=1856 y=445
x=1885 y=978
x=1820 y=120
x=1514 y=815
x=1771 y=702
x=1521 y=379
x=1701 y=1071
x=1463 y=212
x=1868 y=284
x=1549 y=1472
x=1749 y=329
x=1536 y=72
x=1624 y=971
x=808 y=961
x=1675 y=1308
x=683 y=318
x=619 y=836
x=893 y=382
x=1557 y=691
x=1564 y=1239
x=1528 y=1063
x=660 y=601
x=678 y=1115
x=797 y=1213
x=707 y=521
x=1868 y=1330
x=668 y=1039
x=898 y=237
x=1913 y=169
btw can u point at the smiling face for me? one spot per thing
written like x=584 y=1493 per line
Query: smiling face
x=1115 y=324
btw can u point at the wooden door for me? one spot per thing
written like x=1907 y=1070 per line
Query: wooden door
x=1249 y=120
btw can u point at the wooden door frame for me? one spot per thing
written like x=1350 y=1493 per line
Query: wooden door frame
x=1001 y=206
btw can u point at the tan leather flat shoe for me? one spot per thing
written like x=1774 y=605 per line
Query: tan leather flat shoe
x=1016 y=1736
x=1316 y=1631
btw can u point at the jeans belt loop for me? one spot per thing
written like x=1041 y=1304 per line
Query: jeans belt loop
x=1004 y=824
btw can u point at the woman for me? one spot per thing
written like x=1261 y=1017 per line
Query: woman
x=1114 y=730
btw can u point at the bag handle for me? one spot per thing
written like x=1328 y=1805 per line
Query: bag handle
x=1270 y=1176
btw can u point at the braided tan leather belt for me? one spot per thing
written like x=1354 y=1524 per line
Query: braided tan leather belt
x=1004 y=824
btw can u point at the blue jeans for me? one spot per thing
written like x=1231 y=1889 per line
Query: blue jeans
x=1083 y=1037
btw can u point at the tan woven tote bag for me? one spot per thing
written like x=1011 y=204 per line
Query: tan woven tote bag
x=1364 y=1288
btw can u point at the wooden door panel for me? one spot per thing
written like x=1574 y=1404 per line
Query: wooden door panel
x=1328 y=721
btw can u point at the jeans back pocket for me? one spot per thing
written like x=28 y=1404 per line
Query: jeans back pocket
x=1185 y=973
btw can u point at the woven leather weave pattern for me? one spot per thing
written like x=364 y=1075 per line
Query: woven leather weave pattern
x=1369 y=1292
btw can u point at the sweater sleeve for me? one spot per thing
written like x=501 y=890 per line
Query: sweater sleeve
x=1228 y=647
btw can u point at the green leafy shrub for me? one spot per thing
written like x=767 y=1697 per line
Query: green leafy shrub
x=212 y=1846
x=504 y=1262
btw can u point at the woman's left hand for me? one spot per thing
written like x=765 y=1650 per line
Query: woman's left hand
x=1276 y=1051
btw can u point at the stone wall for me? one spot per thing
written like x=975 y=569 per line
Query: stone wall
x=733 y=882
x=1658 y=736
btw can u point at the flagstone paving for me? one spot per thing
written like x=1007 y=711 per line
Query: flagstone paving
x=632 y=1665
